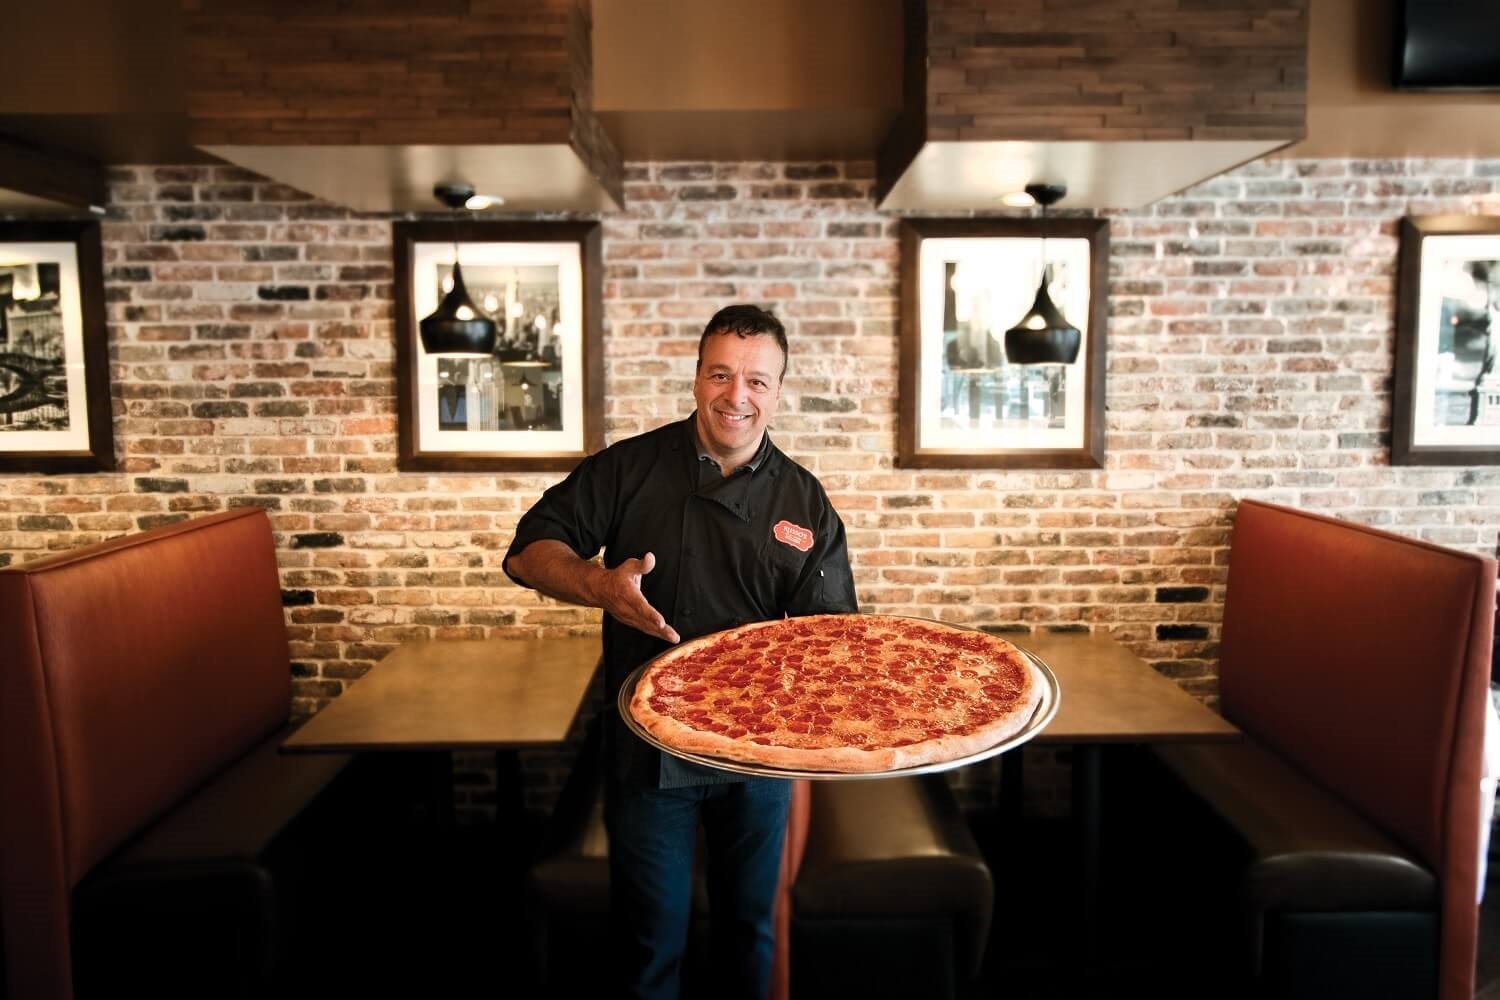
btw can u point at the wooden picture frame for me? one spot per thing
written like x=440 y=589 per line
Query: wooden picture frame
x=538 y=403
x=55 y=413
x=1446 y=406
x=964 y=282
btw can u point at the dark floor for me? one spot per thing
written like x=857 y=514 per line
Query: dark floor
x=436 y=913
x=445 y=928
x=1146 y=947
x=1041 y=947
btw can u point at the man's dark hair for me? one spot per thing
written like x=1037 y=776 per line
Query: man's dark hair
x=745 y=321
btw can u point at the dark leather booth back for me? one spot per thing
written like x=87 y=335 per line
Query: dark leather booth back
x=134 y=671
x=1363 y=657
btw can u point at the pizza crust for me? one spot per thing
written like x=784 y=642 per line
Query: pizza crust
x=1009 y=719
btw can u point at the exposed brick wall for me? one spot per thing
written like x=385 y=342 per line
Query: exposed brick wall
x=1250 y=354
x=1097 y=69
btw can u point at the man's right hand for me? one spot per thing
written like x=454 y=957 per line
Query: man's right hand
x=620 y=595
x=557 y=571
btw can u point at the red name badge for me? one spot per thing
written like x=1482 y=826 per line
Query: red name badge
x=794 y=535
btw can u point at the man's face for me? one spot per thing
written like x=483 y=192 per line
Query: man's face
x=737 y=388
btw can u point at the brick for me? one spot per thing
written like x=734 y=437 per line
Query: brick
x=44 y=523
x=157 y=485
x=149 y=521
x=178 y=233
x=317 y=540
x=1179 y=595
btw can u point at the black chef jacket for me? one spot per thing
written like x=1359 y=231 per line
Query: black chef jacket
x=759 y=544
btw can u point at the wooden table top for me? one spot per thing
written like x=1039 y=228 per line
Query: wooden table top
x=460 y=694
x=1110 y=695
x=499 y=693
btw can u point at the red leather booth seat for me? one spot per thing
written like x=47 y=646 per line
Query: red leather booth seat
x=143 y=685
x=892 y=897
x=1357 y=663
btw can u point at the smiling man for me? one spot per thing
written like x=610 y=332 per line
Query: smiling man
x=705 y=525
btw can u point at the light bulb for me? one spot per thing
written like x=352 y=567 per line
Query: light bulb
x=25 y=285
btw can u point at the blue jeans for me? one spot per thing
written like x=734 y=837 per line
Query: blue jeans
x=652 y=836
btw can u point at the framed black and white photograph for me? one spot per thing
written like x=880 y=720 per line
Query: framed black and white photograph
x=54 y=355
x=528 y=394
x=1002 y=343
x=1446 y=408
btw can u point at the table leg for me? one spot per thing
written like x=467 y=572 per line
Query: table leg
x=1087 y=761
x=1012 y=785
x=437 y=766
x=437 y=777
x=510 y=797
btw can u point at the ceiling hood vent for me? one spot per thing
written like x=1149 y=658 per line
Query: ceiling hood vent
x=34 y=182
x=1127 y=103
x=371 y=106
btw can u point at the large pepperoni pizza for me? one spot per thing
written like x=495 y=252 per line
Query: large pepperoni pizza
x=844 y=693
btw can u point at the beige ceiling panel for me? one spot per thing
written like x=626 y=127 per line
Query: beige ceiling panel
x=1353 y=109
x=30 y=206
x=746 y=55
x=531 y=178
x=748 y=135
x=971 y=176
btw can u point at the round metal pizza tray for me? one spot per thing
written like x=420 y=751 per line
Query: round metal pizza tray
x=1045 y=710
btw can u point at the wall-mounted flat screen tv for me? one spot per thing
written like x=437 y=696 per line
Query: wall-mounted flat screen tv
x=1447 y=45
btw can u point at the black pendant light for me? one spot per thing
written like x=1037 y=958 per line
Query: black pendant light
x=1043 y=336
x=457 y=326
